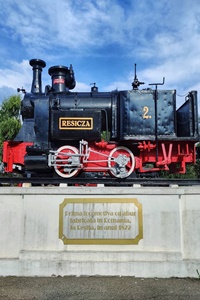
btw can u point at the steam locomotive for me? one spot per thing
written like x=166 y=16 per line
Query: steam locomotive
x=115 y=134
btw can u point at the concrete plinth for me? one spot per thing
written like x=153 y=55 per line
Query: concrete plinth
x=138 y=231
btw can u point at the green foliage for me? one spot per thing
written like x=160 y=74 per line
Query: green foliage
x=197 y=168
x=192 y=172
x=9 y=119
x=105 y=135
x=10 y=107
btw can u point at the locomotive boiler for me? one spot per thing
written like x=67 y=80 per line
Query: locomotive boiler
x=118 y=133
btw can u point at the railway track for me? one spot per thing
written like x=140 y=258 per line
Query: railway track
x=38 y=181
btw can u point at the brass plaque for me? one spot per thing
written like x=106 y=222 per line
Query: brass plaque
x=75 y=123
x=101 y=221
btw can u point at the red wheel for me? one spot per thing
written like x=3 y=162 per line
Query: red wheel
x=67 y=162
x=121 y=162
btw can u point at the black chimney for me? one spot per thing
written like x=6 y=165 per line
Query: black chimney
x=37 y=65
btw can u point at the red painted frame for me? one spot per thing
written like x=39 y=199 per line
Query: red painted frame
x=13 y=154
x=163 y=155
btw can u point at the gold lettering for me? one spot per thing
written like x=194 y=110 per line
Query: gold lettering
x=76 y=123
x=64 y=123
x=114 y=227
x=145 y=114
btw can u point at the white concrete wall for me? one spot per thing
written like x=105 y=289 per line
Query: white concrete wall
x=30 y=244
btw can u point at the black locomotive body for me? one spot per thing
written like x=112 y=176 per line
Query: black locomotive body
x=117 y=133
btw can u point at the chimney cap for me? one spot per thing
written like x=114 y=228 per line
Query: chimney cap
x=37 y=62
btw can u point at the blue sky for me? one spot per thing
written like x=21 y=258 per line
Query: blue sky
x=102 y=39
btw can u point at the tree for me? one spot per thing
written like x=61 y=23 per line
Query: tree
x=9 y=119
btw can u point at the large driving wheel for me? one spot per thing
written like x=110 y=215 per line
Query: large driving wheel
x=121 y=162
x=67 y=162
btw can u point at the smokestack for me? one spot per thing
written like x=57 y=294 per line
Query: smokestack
x=37 y=65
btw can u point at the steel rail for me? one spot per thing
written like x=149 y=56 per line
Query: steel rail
x=93 y=181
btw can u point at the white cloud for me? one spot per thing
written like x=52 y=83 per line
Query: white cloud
x=144 y=29
x=78 y=24
x=16 y=75
x=81 y=87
